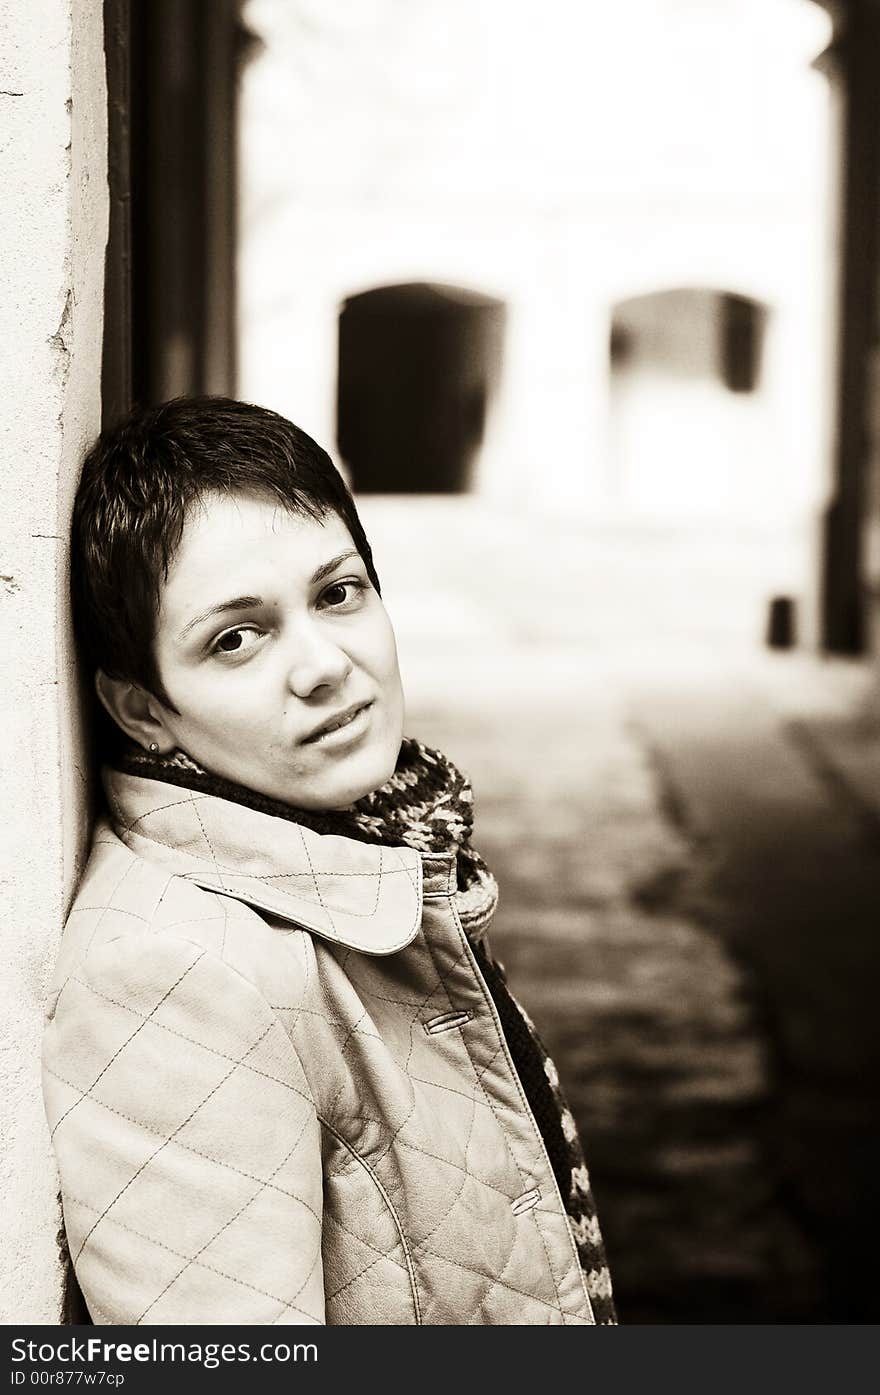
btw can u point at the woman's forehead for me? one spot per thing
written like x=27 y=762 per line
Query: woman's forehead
x=218 y=523
x=233 y=539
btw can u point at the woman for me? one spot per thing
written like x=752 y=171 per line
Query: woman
x=286 y=1082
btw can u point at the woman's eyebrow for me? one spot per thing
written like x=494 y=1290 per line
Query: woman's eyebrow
x=239 y=603
x=327 y=567
x=249 y=602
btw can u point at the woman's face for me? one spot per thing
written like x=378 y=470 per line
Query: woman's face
x=279 y=655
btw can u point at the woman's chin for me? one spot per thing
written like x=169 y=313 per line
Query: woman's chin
x=338 y=789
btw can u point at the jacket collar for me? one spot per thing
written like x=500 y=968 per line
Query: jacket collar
x=360 y=895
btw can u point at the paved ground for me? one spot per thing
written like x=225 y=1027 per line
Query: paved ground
x=687 y=834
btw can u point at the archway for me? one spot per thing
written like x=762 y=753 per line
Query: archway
x=418 y=367
x=688 y=419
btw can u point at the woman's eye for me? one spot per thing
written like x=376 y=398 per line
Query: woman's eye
x=342 y=593
x=236 y=641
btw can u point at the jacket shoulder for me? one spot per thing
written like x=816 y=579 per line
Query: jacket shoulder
x=124 y=894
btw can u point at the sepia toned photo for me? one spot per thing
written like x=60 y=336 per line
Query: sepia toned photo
x=441 y=722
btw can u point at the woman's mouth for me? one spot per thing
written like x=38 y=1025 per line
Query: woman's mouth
x=345 y=725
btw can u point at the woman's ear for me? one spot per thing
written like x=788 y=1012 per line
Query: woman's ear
x=138 y=714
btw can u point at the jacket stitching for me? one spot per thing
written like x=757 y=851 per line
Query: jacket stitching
x=344 y=1047
x=361 y=1239
x=450 y=1089
x=463 y=958
x=498 y=1278
x=194 y=1041
x=397 y=1136
x=412 y=878
x=223 y=870
x=117 y=910
x=188 y=1147
x=244 y=897
x=198 y=1263
x=403 y=1142
x=542 y=1153
x=494 y=1282
x=170 y=1139
x=131 y=827
x=118 y=1052
x=533 y=1213
x=413 y=1005
x=331 y=872
x=324 y=908
x=152 y=929
x=364 y=876
x=206 y=838
x=225 y=930
x=331 y=1021
x=392 y=1209
x=422 y=1241
x=220 y=872
x=379 y=1256
x=228 y=876
x=240 y=1212
x=350 y=939
x=307 y=967
x=189 y=922
x=371 y=1264
x=129 y=867
x=404 y=1070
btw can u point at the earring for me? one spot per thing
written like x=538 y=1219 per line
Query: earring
x=154 y=746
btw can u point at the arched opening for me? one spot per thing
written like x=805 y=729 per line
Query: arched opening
x=418 y=367
x=689 y=423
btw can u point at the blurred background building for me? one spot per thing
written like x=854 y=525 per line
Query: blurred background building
x=651 y=174
x=584 y=299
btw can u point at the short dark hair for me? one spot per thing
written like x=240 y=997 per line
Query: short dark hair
x=138 y=483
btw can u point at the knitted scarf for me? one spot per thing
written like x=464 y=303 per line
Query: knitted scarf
x=427 y=804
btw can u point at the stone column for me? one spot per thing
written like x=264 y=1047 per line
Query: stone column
x=848 y=592
x=53 y=225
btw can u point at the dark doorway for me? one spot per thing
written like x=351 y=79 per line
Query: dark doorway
x=693 y=332
x=418 y=366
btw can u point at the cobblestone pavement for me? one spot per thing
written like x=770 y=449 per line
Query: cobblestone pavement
x=650 y=790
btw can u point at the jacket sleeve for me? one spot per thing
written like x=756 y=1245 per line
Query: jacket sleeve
x=187 y=1141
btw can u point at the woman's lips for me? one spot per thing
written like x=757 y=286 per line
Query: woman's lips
x=344 y=724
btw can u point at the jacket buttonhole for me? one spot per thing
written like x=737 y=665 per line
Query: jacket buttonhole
x=525 y=1202
x=446 y=1021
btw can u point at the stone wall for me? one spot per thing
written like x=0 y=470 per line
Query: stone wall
x=53 y=220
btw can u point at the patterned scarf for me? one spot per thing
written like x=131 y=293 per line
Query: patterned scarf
x=427 y=804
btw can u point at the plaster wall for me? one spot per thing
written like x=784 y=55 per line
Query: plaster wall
x=53 y=224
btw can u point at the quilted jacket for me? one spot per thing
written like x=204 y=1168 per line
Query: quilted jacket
x=278 y=1089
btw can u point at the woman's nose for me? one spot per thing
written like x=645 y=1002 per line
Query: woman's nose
x=317 y=663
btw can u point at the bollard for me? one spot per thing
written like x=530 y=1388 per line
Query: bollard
x=781 y=623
